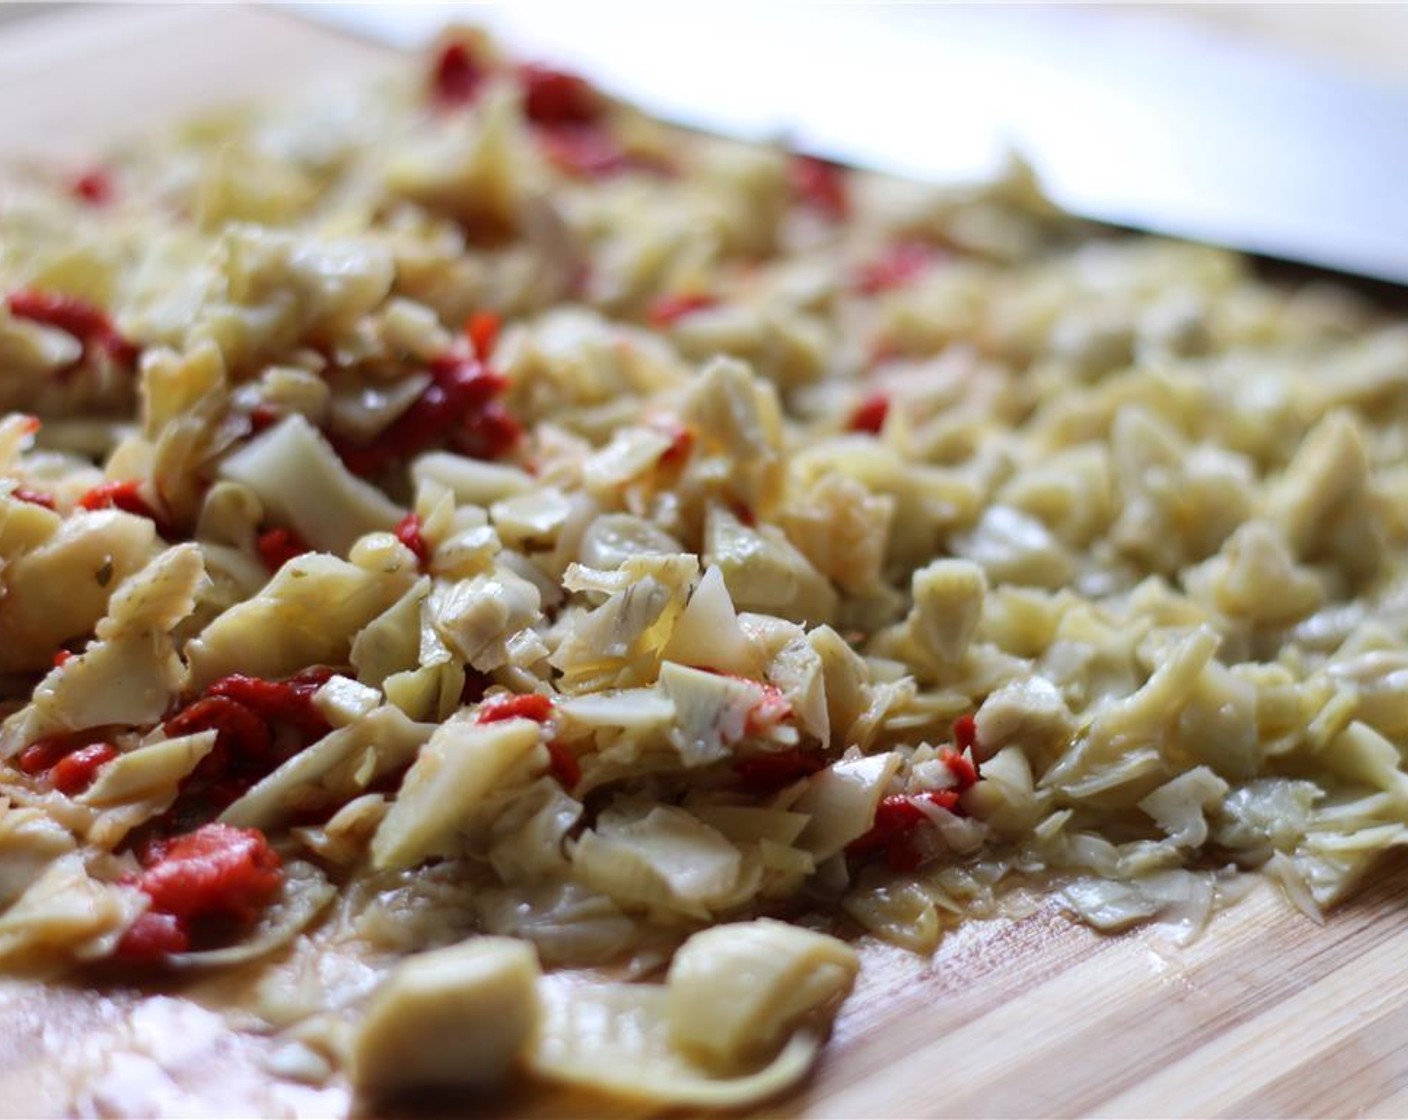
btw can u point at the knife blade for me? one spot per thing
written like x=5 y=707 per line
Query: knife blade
x=1141 y=121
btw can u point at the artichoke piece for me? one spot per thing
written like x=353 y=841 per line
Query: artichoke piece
x=458 y=769
x=458 y=1016
x=738 y=992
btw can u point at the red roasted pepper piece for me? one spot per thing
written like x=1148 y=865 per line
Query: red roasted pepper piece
x=896 y=818
x=289 y=701
x=93 y=187
x=482 y=330
x=765 y=774
x=408 y=533
x=900 y=264
x=458 y=408
x=821 y=185
x=33 y=497
x=216 y=872
x=43 y=755
x=126 y=496
x=681 y=446
x=88 y=324
x=74 y=773
x=961 y=767
x=563 y=764
x=240 y=734
x=870 y=414
x=152 y=936
x=528 y=705
x=456 y=76
x=668 y=310
x=278 y=546
x=555 y=98
x=965 y=733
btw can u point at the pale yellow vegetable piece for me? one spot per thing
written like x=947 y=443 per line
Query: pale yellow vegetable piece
x=460 y=1016
x=615 y=1038
x=65 y=913
x=149 y=773
x=303 y=485
x=665 y=858
x=131 y=675
x=60 y=589
x=948 y=602
x=841 y=802
x=30 y=840
x=307 y=614
x=339 y=766
x=457 y=770
x=738 y=991
x=765 y=572
x=707 y=633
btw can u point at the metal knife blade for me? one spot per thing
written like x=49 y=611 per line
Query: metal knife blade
x=1143 y=122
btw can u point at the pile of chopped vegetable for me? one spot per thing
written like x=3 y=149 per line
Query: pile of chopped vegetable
x=469 y=532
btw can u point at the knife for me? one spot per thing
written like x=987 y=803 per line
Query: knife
x=1132 y=119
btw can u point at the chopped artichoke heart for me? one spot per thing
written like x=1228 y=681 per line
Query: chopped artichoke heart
x=327 y=506
x=737 y=991
x=459 y=1016
x=461 y=765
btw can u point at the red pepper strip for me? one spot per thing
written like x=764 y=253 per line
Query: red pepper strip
x=152 y=936
x=528 y=705
x=33 y=497
x=74 y=773
x=63 y=657
x=261 y=416
x=870 y=414
x=681 y=446
x=88 y=324
x=458 y=407
x=242 y=710
x=289 y=701
x=408 y=533
x=590 y=151
x=240 y=733
x=563 y=764
x=896 y=818
x=93 y=187
x=482 y=330
x=965 y=733
x=44 y=754
x=278 y=546
x=127 y=497
x=553 y=97
x=214 y=872
x=456 y=77
x=765 y=774
x=668 y=310
x=961 y=767
x=900 y=264
x=491 y=433
x=216 y=869
x=820 y=185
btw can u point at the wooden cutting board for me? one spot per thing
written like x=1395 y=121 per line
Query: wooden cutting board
x=1267 y=1014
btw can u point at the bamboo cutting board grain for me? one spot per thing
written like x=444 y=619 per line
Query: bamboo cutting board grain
x=1266 y=1015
